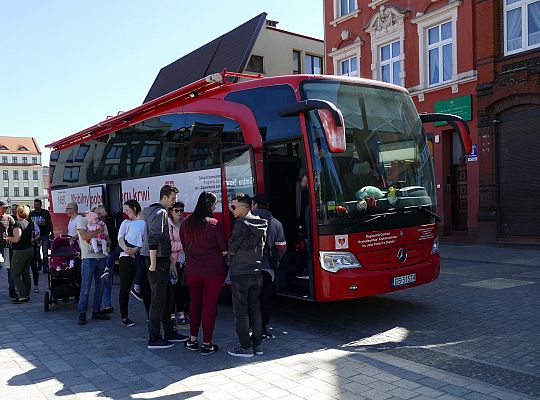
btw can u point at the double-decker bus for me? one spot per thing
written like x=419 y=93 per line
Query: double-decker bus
x=344 y=162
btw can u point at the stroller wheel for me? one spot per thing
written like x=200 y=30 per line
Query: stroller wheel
x=46 y=301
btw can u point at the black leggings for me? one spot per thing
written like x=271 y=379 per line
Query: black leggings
x=181 y=293
x=34 y=266
x=127 y=270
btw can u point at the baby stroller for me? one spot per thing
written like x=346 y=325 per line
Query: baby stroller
x=64 y=275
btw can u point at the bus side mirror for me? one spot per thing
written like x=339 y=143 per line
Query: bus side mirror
x=331 y=118
x=457 y=123
x=334 y=133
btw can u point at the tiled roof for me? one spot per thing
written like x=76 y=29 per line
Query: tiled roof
x=12 y=144
x=230 y=51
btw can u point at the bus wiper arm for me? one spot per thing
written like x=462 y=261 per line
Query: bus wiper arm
x=426 y=211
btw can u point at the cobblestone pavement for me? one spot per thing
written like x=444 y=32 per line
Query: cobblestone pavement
x=469 y=335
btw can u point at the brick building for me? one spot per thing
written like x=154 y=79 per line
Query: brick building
x=428 y=47
x=508 y=42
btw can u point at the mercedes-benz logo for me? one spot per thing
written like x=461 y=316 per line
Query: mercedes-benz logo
x=402 y=255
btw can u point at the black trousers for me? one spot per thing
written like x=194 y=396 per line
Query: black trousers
x=162 y=298
x=34 y=266
x=267 y=290
x=127 y=269
x=181 y=292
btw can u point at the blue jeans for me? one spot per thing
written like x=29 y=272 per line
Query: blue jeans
x=246 y=292
x=107 y=282
x=91 y=268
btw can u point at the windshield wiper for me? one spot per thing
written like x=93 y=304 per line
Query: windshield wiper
x=425 y=210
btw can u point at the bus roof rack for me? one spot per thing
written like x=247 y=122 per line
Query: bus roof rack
x=123 y=119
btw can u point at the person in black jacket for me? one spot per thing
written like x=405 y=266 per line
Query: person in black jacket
x=42 y=218
x=245 y=261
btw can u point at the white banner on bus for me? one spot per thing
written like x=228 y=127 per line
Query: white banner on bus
x=86 y=198
x=190 y=185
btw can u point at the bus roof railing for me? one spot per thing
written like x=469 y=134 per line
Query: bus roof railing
x=122 y=120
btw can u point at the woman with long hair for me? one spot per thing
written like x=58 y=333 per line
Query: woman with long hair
x=205 y=246
x=131 y=231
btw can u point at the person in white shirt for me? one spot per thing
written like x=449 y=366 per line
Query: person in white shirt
x=72 y=210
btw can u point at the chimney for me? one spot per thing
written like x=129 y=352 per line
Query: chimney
x=271 y=24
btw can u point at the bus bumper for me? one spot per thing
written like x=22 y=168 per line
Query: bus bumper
x=350 y=284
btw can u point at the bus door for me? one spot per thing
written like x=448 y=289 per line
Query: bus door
x=238 y=176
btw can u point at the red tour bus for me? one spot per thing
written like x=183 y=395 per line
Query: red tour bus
x=344 y=162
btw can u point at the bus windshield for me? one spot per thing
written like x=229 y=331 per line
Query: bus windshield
x=384 y=179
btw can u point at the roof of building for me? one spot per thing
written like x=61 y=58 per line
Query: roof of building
x=12 y=144
x=230 y=51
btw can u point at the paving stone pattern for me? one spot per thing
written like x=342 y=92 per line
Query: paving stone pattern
x=48 y=356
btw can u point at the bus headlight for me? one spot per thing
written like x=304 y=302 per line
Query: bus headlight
x=333 y=261
x=435 y=247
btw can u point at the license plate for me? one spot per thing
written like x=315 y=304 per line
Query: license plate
x=403 y=280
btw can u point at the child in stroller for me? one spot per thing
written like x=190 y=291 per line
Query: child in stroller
x=64 y=277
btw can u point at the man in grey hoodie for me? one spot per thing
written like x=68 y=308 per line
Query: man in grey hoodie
x=157 y=253
x=245 y=257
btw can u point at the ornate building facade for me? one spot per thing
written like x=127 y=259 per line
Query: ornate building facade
x=428 y=47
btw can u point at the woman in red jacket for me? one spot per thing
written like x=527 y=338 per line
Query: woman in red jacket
x=205 y=246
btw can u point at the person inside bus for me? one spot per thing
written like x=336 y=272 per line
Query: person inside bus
x=157 y=255
x=205 y=246
x=72 y=211
x=93 y=264
x=274 y=249
x=178 y=258
x=22 y=239
x=126 y=263
x=245 y=261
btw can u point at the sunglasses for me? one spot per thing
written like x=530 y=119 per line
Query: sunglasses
x=178 y=210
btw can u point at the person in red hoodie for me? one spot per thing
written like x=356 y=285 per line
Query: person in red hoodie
x=205 y=246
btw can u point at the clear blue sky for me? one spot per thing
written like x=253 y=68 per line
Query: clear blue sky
x=66 y=65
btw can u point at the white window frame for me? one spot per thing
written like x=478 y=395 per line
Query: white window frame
x=345 y=53
x=382 y=37
x=523 y=4
x=351 y=72
x=424 y=23
x=439 y=45
x=391 y=62
x=338 y=18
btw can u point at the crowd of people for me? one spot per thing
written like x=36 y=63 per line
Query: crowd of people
x=177 y=266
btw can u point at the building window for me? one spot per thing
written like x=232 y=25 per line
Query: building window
x=22 y=148
x=313 y=64
x=296 y=68
x=439 y=48
x=2 y=147
x=349 y=67
x=521 y=25
x=71 y=174
x=25 y=160
x=390 y=64
x=26 y=191
x=346 y=7
x=35 y=175
x=34 y=160
x=255 y=64
x=25 y=174
x=36 y=191
x=5 y=174
x=16 y=191
x=15 y=160
x=6 y=191
x=4 y=159
x=15 y=175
